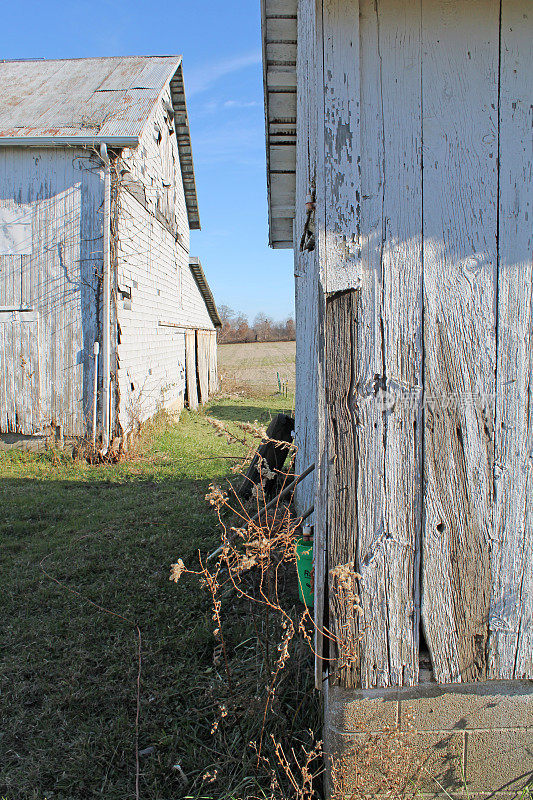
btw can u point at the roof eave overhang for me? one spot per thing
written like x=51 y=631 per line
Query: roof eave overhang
x=183 y=135
x=279 y=37
x=201 y=281
x=68 y=141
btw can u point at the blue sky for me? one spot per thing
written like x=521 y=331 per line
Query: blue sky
x=221 y=47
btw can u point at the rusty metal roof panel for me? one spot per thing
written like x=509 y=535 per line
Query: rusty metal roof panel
x=81 y=96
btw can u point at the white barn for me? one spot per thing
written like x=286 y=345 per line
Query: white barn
x=97 y=197
x=400 y=165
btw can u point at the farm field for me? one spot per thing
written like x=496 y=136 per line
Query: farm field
x=86 y=554
x=253 y=367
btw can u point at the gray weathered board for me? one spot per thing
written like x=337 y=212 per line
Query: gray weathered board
x=460 y=262
x=190 y=368
x=511 y=606
x=213 y=363
x=19 y=372
x=203 y=339
x=425 y=348
x=306 y=289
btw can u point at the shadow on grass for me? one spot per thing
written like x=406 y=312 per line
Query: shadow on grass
x=243 y=413
x=69 y=670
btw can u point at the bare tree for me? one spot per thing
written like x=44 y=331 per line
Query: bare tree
x=236 y=328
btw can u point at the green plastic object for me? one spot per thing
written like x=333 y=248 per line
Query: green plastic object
x=304 y=566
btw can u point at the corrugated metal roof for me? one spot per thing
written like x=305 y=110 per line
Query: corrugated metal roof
x=201 y=281
x=93 y=99
x=81 y=96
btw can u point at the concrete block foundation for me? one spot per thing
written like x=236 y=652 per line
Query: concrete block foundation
x=467 y=741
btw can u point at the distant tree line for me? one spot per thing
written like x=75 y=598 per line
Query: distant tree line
x=236 y=328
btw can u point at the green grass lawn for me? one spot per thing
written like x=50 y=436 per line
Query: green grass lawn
x=69 y=670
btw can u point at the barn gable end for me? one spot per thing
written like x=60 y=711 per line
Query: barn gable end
x=97 y=197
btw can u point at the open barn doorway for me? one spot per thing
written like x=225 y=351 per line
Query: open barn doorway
x=201 y=366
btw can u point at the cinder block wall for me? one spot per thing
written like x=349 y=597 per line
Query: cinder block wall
x=468 y=741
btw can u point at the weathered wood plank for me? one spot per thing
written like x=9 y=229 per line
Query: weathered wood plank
x=3 y=375
x=306 y=269
x=369 y=356
x=7 y=391
x=389 y=553
x=190 y=366
x=213 y=362
x=19 y=373
x=511 y=615
x=338 y=260
x=376 y=459
x=202 y=352
x=35 y=382
x=460 y=99
x=342 y=478
x=342 y=144
x=280 y=29
x=305 y=264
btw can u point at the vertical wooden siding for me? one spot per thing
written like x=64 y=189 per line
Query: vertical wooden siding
x=305 y=265
x=192 y=381
x=20 y=402
x=374 y=441
x=460 y=97
x=511 y=608
x=62 y=190
x=308 y=400
x=202 y=352
x=213 y=363
x=418 y=356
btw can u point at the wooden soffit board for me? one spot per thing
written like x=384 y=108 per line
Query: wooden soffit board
x=279 y=29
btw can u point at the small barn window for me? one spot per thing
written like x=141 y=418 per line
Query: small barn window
x=15 y=232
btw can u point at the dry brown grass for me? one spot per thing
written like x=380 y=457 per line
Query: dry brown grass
x=252 y=367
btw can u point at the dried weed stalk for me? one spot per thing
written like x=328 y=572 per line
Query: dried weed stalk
x=255 y=572
x=255 y=569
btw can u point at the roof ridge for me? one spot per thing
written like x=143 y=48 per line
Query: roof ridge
x=86 y=58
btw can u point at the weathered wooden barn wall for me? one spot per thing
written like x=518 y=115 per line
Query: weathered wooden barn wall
x=424 y=254
x=157 y=292
x=50 y=203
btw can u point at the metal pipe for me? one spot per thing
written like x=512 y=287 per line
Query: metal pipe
x=106 y=302
x=96 y=350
